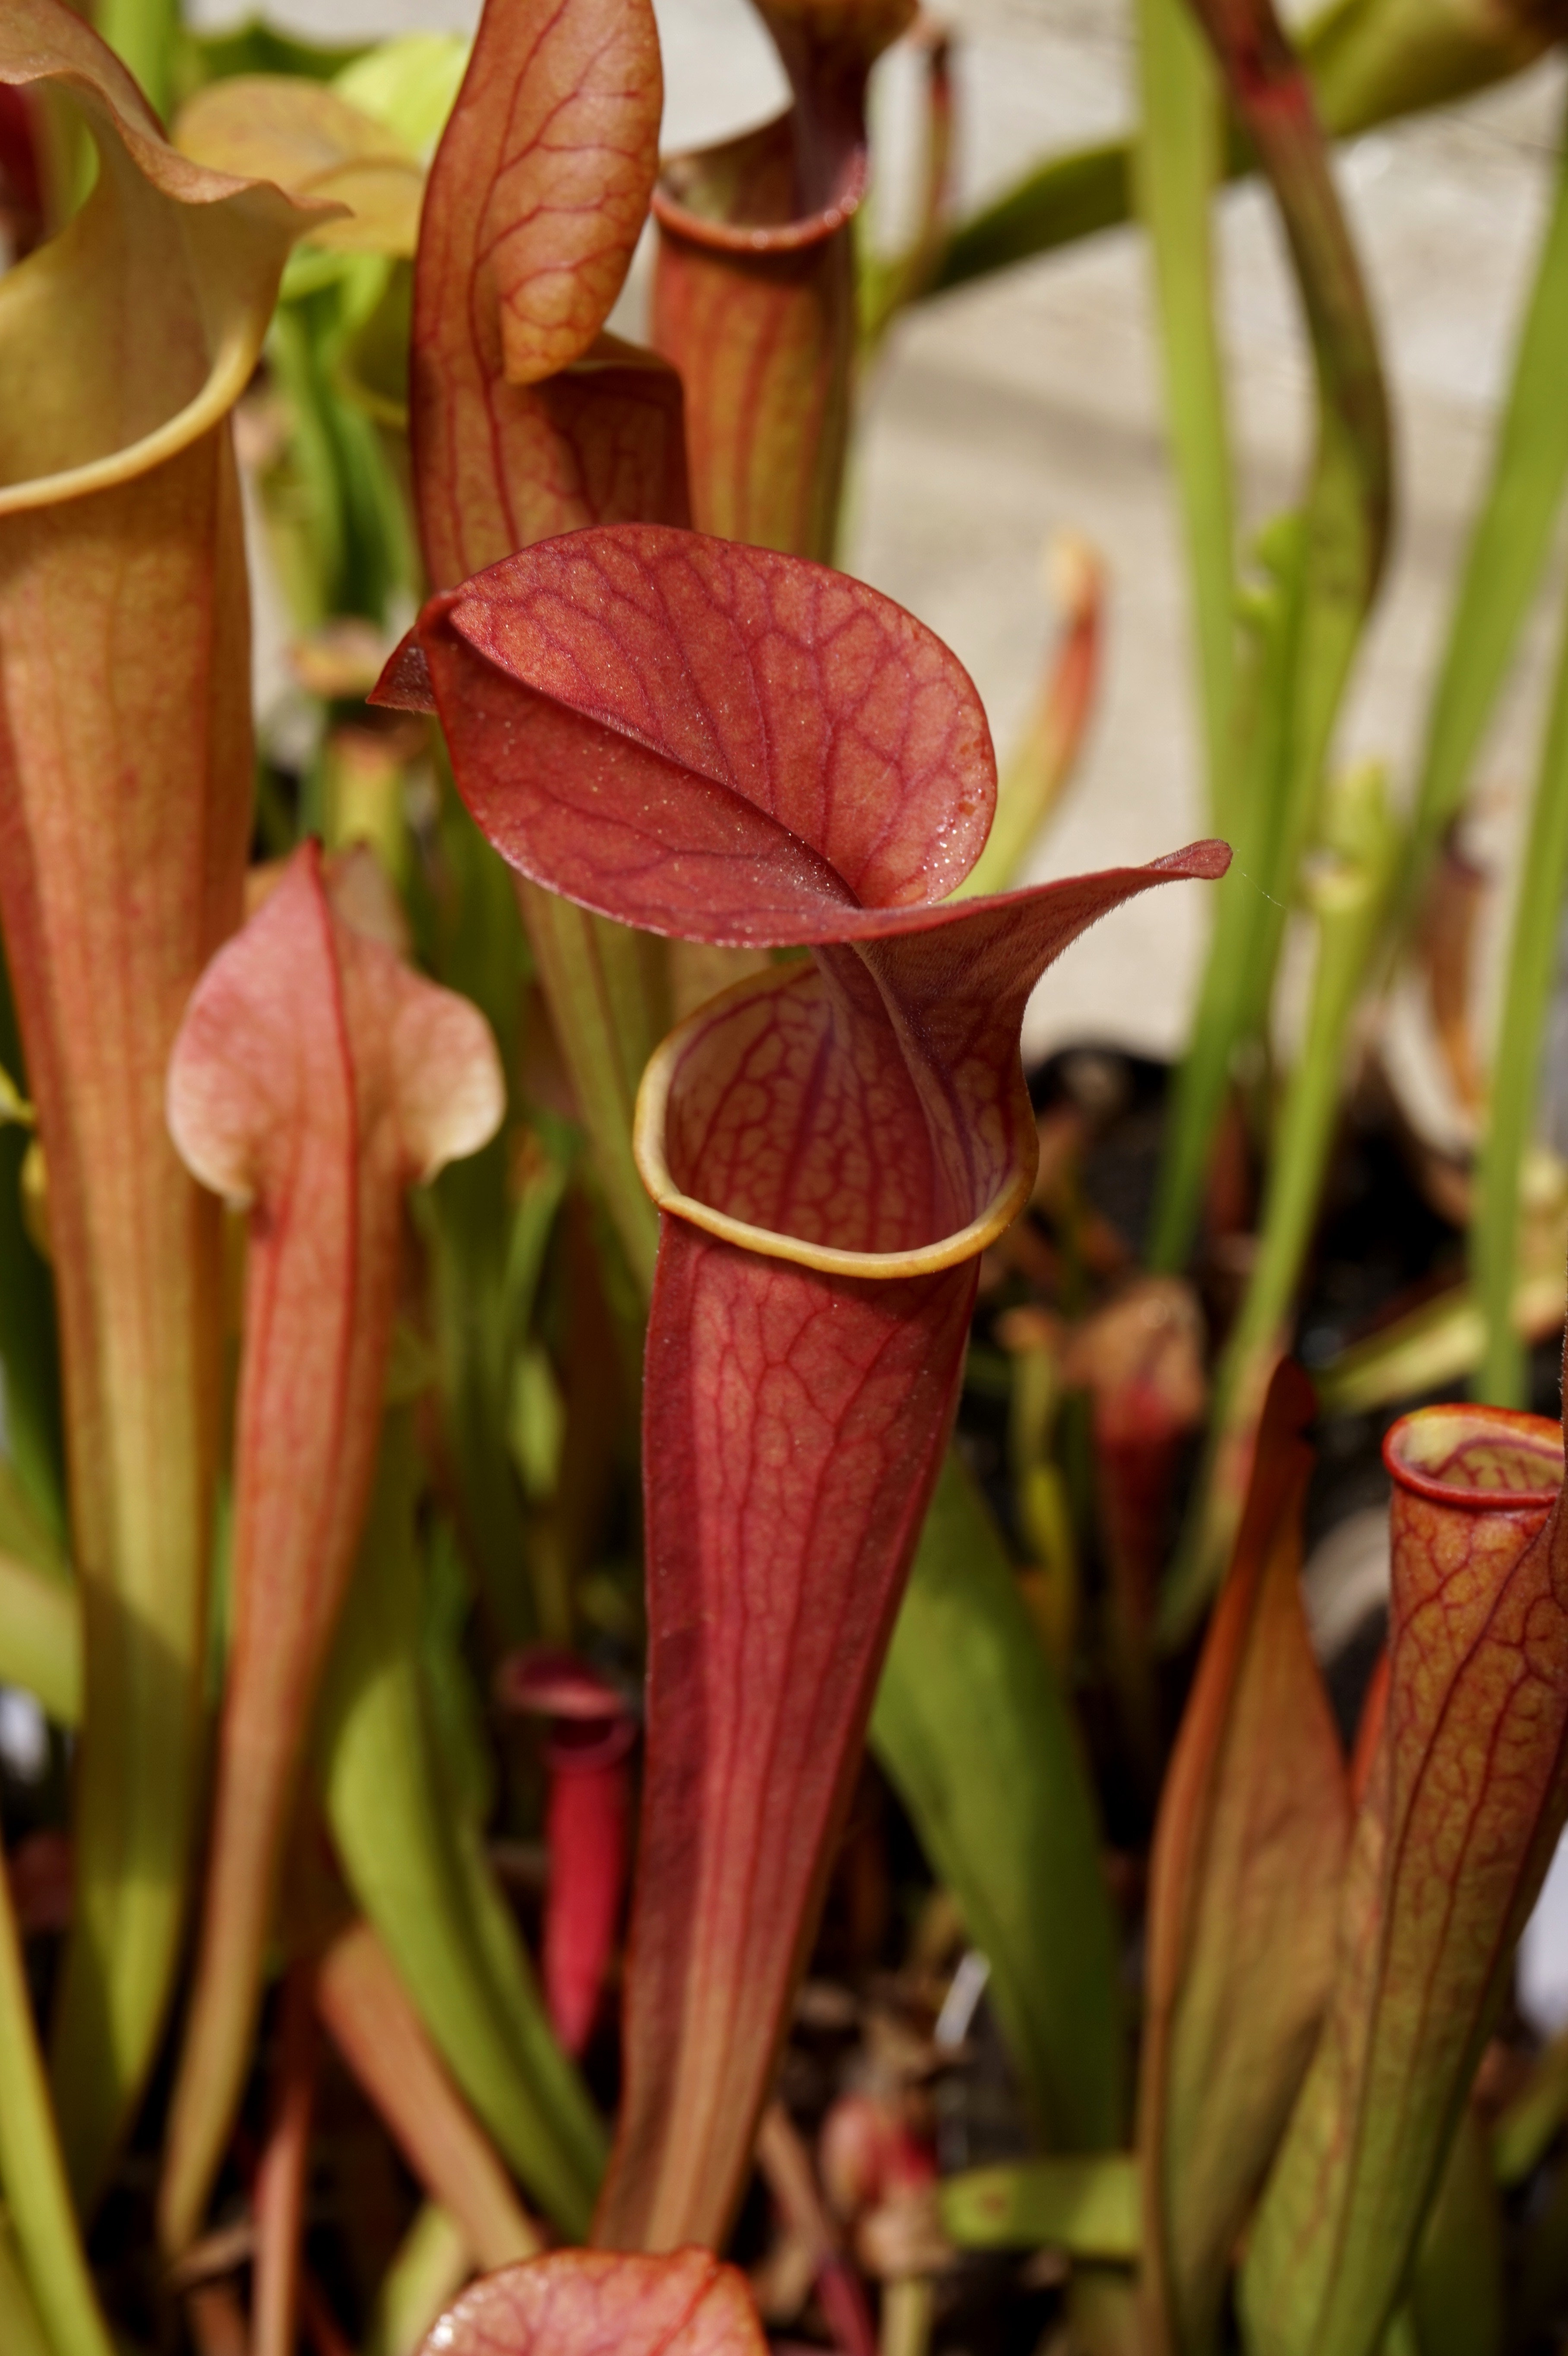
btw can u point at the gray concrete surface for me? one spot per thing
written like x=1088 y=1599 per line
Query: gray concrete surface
x=1031 y=402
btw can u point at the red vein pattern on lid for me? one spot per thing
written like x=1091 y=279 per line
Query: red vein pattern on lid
x=755 y=711
x=714 y=741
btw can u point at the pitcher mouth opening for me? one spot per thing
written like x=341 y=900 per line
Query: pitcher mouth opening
x=772 y=1243
x=1477 y=1459
x=230 y=290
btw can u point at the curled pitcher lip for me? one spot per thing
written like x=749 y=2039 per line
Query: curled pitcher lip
x=965 y=1242
x=1476 y=1458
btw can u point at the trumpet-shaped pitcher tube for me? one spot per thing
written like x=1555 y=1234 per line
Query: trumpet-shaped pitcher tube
x=1464 y=1800
x=754 y=296
x=736 y=747
x=124 y=815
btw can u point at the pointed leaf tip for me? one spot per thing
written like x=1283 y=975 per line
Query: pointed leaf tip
x=1204 y=861
x=593 y=2303
x=405 y=681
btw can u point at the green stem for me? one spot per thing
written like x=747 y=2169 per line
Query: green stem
x=32 y=2170
x=1349 y=894
x=1516 y=1064
x=1508 y=550
x=1231 y=1006
x=1178 y=160
x=908 y=2301
x=29 y=1341
x=474 y=943
x=1324 y=588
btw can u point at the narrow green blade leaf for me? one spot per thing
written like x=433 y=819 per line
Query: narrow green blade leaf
x=1348 y=887
x=1371 y=61
x=21 y=2333
x=973 y=1730
x=37 y=2200
x=1179 y=160
x=1526 y=2128
x=405 y=1857
x=1507 y=549
x=1327 y=582
x=29 y=1344
x=1516 y=1064
x=432 y=2265
x=1065 y=199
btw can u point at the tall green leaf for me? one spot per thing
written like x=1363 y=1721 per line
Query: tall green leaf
x=973 y=1730
x=1516 y=1064
x=1347 y=890
x=1507 y=549
x=1332 y=565
x=408 y=1863
x=1179 y=160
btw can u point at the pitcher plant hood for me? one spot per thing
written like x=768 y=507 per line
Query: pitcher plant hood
x=740 y=746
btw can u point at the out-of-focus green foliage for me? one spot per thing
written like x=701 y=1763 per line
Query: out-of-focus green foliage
x=971 y=1727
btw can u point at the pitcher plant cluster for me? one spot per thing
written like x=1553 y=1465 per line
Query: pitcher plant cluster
x=558 y=1383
